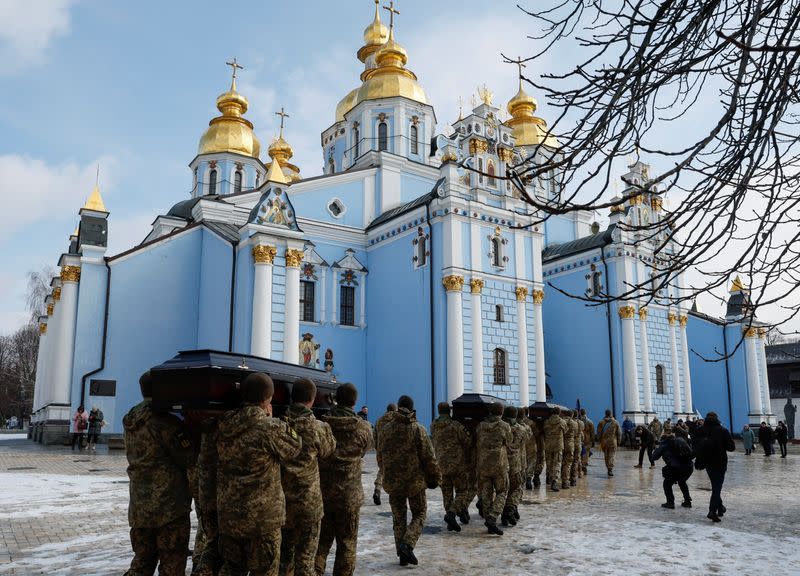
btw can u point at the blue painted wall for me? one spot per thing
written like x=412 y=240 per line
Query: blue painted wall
x=214 y=285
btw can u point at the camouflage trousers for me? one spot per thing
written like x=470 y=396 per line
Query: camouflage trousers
x=540 y=457
x=531 y=456
x=166 y=547
x=516 y=484
x=408 y=533
x=257 y=555
x=576 y=471
x=455 y=491
x=566 y=464
x=587 y=451
x=340 y=524
x=472 y=486
x=609 y=453
x=209 y=561
x=299 y=547
x=493 y=489
x=379 y=480
x=553 y=455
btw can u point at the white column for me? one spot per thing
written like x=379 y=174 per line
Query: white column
x=643 y=345
x=291 y=326
x=476 y=286
x=62 y=369
x=687 y=376
x=323 y=273
x=46 y=394
x=631 y=382
x=334 y=296
x=455 y=337
x=40 y=359
x=261 y=331
x=762 y=356
x=522 y=343
x=541 y=386
x=363 y=302
x=753 y=383
x=676 y=377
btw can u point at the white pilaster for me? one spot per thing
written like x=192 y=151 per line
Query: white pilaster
x=687 y=376
x=62 y=372
x=541 y=386
x=643 y=345
x=261 y=330
x=675 y=367
x=334 y=296
x=362 y=308
x=631 y=382
x=753 y=383
x=455 y=337
x=476 y=286
x=291 y=331
x=40 y=357
x=766 y=404
x=522 y=343
x=323 y=275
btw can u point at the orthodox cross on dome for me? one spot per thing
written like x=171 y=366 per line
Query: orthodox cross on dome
x=234 y=65
x=283 y=116
x=520 y=65
x=392 y=12
x=460 y=106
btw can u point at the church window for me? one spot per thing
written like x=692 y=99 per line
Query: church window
x=347 y=305
x=307 y=300
x=597 y=286
x=237 y=182
x=420 y=249
x=660 y=388
x=258 y=179
x=497 y=252
x=195 y=180
x=356 y=143
x=383 y=136
x=498 y=313
x=480 y=170
x=212 y=182
x=499 y=367
x=490 y=171
x=414 y=134
x=336 y=208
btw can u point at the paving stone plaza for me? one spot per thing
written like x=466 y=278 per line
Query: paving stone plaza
x=64 y=512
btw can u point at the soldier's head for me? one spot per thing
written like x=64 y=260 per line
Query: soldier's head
x=346 y=395
x=712 y=417
x=444 y=408
x=496 y=409
x=668 y=430
x=557 y=410
x=406 y=402
x=510 y=412
x=391 y=407
x=257 y=389
x=145 y=385
x=583 y=411
x=521 y=413
x=304 y=391
x=608 y=413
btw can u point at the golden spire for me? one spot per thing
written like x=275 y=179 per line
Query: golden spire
x=737 y=285
x=95 y=201
x=281 y=151
x=528 y=129
x=275 y=174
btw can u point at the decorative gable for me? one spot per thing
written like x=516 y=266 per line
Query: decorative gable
x=275 y=209
x=350 y=262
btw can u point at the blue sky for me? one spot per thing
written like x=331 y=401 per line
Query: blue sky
x=132 y=86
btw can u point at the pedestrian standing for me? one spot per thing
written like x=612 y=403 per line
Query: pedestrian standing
x=748 y=439
x=646 y=444
x=714 y=443
x=79 y=423
x=627 y=433
x=765 y=436
x=608 y=434
x=376 y=494
x=96 y=424
x=677 y=468
x=782 y=436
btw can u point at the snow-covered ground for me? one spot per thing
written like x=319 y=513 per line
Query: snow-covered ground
x=76 y=524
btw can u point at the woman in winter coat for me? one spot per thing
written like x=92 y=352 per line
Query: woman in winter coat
x=748 y=439
x=79 y=424
x=782 y=436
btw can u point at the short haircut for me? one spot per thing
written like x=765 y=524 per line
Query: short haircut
x=303 y=391
x=510 y=412
x=496 y=409
x=391 y=407
x=444 y=408
x=712 y=416
x=556 y=410
x=257 y=388
x=608 y=412
x=583 y=411
x=145 y=385
x=405 y=402
x=347 y=394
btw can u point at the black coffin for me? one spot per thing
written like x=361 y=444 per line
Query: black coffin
x=470 y=409
x=542 y=410
x=209 y=380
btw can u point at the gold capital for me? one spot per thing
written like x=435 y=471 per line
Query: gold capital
x=453 y=283
x=264 y=254
x=683 y=320
x=626 y=312
x=538 y=296
x=42 y=328
x=293 y=258
x=521 y=293
x=643 y=314
x=655 y=203
x=762 y=332
x=57 y=293
x=70 y=273
x=476 y=285
x=750 y=332
x=50 y=309
x=671 y=318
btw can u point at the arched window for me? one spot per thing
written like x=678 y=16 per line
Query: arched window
x=195 y=181
x=660 y=388
x=356 y=144
x=480 y=170
x=422 y=251
x=237 y=181
x=497 y=252
x=490 y=171
x=383 y=136
x=413 y=135
x=212 y=182
x=498 y=313
x=499 y=367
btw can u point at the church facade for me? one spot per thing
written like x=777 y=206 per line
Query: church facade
x=397 y=269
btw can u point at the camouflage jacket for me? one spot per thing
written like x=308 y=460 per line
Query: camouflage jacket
x=450 y=442
x=494 y=438
x=250 y=448
x=159 y=452
x=608 y=432
x=207 y=466
x=377 y=428
x=340 y=473
x=656 y=428
x=406 y=455
x=588 y=431
x=569 y=435
x=577 y=432
x=300 y=476
x=516 y=450
x=554 y=428
x=531 y=447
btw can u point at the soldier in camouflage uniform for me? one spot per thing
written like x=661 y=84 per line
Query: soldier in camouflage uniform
x=588 y=440
x=609 y=436
x=531 y=449
x=569 y=449
x=494 y=437
x=159 y=452
x=554 y=428
x=516 y=466
x=210 y=561
x=250 y=505
x=300 y=480
x=537 y=427
x=340 y=480
x=376 y=495
x=450 y=441
x=406 y=456
x=656 y=428
x=577 y=437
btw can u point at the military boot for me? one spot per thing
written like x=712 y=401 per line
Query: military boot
x=464 y=516
x=452 y=525
x=516 y=513
x=554 y=486
x=376 y=497
x=564 y=485
x=491 y=524
x=407 y=555
x=610 y=472
x=572 y=482
x=479 y=506
x=528 y=483
x=537 y=481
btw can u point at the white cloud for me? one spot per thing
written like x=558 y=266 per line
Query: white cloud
x=28 y=29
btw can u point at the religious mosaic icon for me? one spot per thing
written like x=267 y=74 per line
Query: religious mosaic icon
x=328 y=364
x=309 y=351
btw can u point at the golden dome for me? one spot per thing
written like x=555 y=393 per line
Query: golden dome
x=527 y=129
x=390 y=78
x=280 y=149
x=522 y=103
x=346 y=104
x=375 y=36
x=230 y=132
x=95 y=201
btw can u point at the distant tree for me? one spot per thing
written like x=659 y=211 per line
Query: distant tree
x=38 y=289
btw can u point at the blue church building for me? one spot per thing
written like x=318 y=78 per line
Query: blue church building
x=397 y=269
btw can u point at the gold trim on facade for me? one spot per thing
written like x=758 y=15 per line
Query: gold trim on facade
x=626 y=312
x=643 y=314
x=453 y=283
x=505 y=155
x=42 y=328
x=264 y=254
x=57 y=293
x=672 y=318
x=521 y=292
x=293 y=258
x=476 y=145
x=70 y=273
x=538 y=296
x=476 y=285
x=449 y=157
x=762 y=332
x=50 y=309
x=683 y=320
x=750 y=332
x=655 y=203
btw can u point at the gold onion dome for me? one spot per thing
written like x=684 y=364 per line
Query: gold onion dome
x=230 y=132
x=390 y=78
x=527 y=129
x=280 y=149
x=375 y=36
x=346 y=104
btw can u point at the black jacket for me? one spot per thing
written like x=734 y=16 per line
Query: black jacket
x=645 y=436
x=676 y=453
x=714 y=444
x=765 y=435
x=781 y=434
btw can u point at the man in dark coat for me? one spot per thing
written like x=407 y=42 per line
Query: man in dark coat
x=677 y=457
x=646 y=443
x=765 y=435
x=715 y=441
